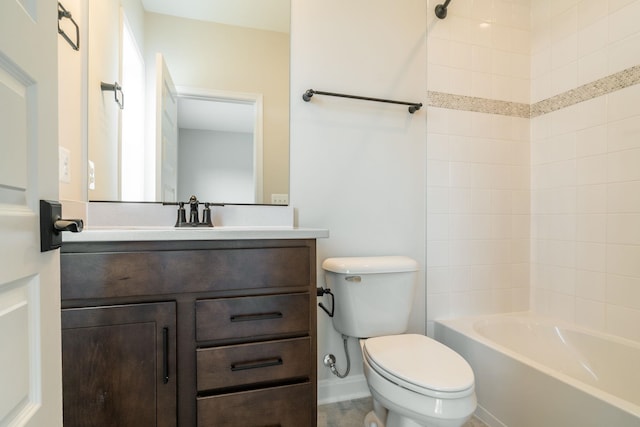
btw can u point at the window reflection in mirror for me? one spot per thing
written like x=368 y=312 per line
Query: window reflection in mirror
x=132 y=137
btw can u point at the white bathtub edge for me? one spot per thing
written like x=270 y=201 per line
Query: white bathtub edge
x=464 y=326
x=487 y=418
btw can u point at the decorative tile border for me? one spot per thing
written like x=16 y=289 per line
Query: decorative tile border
x=479 y=105
x=603 y=86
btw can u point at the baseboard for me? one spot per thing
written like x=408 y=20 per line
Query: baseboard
x=487 y=418
x=337 y=390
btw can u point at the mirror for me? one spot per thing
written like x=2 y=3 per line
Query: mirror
x=222 y=57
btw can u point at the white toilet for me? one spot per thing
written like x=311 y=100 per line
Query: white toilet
x=415 y=381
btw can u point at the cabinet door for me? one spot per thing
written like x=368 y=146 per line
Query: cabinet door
x=118 y=366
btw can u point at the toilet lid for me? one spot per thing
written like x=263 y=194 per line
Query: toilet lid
x=419 y=361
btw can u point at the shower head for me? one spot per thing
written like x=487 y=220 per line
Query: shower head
x=441 y=9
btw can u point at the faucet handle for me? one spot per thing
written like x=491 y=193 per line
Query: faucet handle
x=182 y=215
x=206 y=215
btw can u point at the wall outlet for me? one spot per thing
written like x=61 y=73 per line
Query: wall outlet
x=64 y=165
x=279 y=199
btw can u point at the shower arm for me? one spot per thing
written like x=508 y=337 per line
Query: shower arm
x=441 y=9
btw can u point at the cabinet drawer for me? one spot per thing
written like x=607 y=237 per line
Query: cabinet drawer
x=244 y=364
x=244 y=317
x=287 y=406
x=124 y=274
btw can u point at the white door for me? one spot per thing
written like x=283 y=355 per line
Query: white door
x=30 y=356
x=166 y=132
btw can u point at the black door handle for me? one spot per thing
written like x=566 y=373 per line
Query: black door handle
x=52 y=226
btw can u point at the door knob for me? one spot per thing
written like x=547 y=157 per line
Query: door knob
x=52 y=225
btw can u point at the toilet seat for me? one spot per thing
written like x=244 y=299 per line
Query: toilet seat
x=420 y=364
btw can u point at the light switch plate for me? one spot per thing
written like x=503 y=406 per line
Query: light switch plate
x=92 y=175
x=64 y=165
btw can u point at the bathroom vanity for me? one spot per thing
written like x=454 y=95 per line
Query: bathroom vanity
x=189 y=331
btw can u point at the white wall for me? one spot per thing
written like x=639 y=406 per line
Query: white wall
x=358 y=168
x=215 y=165
x=103 y=112
x=72 y=103
x=79 y=76
x=585 y=164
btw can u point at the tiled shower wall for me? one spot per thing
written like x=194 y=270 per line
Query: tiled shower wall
x=478 y=188
x=565 y=182
x=586 y=163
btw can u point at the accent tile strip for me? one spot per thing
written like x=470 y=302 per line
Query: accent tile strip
x=479 y=105
x=603 y=86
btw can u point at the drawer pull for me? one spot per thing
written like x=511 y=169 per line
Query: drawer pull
x=255 y=317
x=256 y=364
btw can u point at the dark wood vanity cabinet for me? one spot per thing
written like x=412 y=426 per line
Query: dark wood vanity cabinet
x=119 y=365
x=189 y=333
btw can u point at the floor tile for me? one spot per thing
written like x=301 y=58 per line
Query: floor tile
x=351 y=413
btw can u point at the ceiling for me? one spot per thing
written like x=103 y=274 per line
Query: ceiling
x=272 y=15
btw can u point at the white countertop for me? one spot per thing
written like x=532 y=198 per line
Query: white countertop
x=134 y=233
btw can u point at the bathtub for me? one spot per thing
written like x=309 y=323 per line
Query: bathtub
x=536 y=372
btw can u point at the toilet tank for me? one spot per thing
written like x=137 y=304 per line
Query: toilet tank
x=373 y=295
